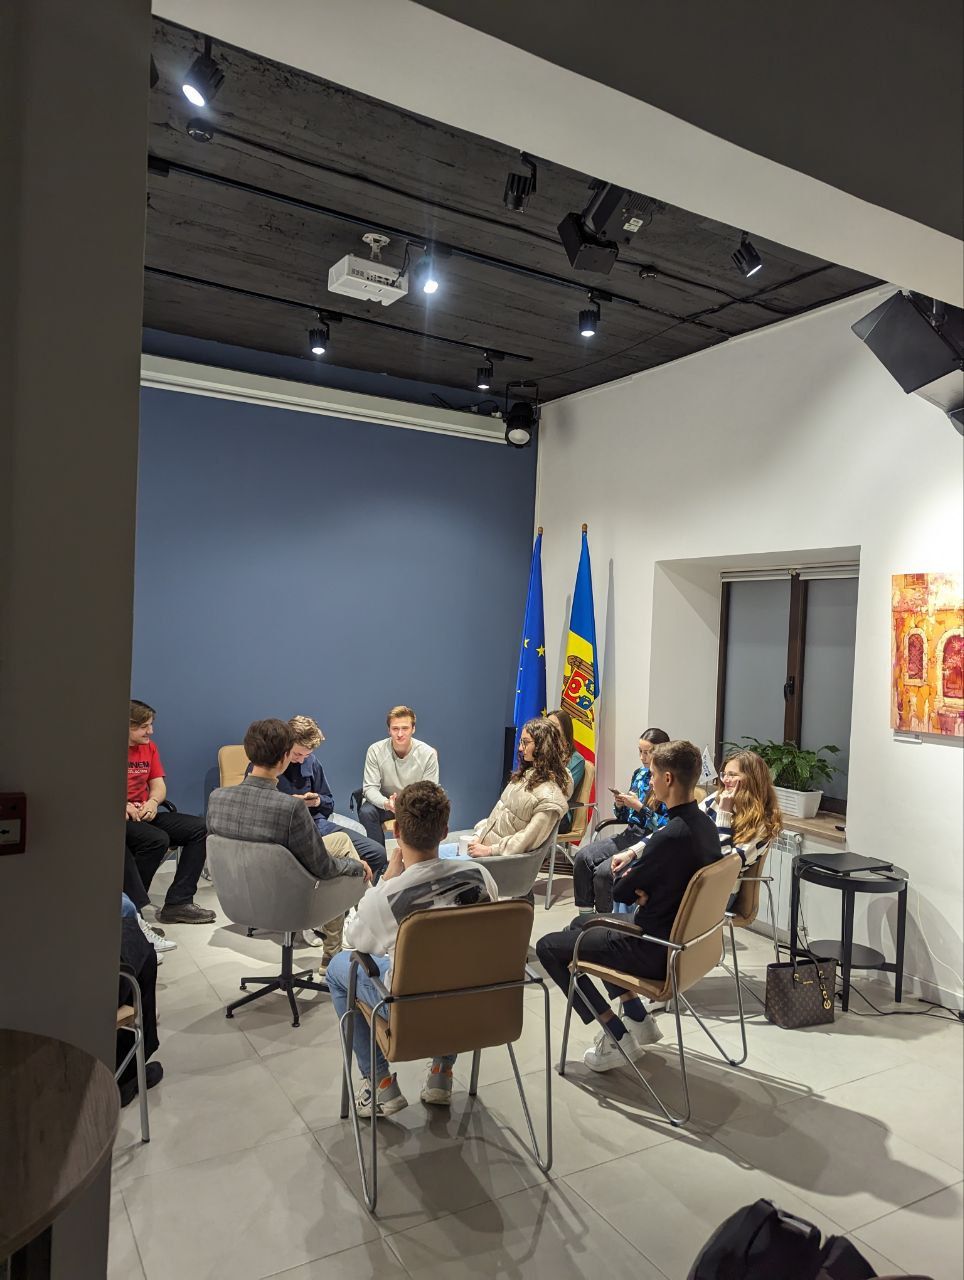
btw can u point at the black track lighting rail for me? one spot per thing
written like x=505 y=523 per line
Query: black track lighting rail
x=327 y=314
x=161 y=167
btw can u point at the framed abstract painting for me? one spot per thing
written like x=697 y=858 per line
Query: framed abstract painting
x=927 y=682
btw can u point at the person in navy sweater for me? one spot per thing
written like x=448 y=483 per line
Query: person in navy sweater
x=304 y=777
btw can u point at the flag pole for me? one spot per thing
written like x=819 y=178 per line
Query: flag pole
x=539 y=531
x=585 y=528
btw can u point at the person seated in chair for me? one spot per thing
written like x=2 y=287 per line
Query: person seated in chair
x=655 y=881
x=390 y=764
x=256 y=810
x=575 y=763
x=415 y=879
x=305 y=778
x=592 y=878
x=137 y=953
x=151 y=831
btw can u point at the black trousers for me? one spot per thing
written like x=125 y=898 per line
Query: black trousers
x=608 y=948
x=592 y=875
x=147 y=844
x=138 y=953
x=371 y=818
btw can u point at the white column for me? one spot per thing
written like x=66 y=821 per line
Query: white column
x=73 y=101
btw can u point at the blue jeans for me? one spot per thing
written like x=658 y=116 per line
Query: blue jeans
x=366 y=991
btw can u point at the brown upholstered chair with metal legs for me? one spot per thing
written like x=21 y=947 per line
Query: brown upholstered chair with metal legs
x=693 y=949
x=458 y=981
x=747 y=906
x=567 y=840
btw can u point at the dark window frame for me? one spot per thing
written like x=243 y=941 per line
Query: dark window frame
x=793 y=687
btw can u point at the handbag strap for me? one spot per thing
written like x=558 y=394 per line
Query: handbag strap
x=814 y=960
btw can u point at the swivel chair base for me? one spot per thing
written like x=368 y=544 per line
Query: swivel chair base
x=287 y=981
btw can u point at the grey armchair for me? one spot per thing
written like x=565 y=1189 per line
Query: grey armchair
x=264 y=886
x=516 y=873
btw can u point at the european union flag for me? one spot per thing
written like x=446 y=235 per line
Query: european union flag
x=530 y=692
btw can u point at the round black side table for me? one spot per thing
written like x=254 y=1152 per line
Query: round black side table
x=850 y=874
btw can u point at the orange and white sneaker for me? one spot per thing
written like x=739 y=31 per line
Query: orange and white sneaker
x=437 y=1090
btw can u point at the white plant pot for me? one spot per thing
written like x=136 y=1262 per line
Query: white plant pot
x=798 y=804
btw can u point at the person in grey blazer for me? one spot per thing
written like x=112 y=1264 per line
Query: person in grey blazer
x=256 y=810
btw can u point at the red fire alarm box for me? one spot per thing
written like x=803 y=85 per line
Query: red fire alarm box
x=13 y=822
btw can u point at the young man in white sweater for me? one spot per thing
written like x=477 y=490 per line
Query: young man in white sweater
x=391 y=764
x=416 y=878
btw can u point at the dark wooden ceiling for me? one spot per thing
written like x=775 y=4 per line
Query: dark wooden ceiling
x=308 y=141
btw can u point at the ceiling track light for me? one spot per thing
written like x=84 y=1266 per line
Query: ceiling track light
x=589 y=319
x=519 y=187
x=521 y=417
x=483 y=377
x=318 y=337
x=746 y=259
x=426 y=274
x=202 y=82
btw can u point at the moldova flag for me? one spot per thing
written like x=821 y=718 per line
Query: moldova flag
x=580 y=676
x=530 y=692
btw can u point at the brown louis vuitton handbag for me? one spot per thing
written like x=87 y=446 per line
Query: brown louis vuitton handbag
x=799 y=992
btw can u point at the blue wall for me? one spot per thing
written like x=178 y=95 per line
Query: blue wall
x=291 y=563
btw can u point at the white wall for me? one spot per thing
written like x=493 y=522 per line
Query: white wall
x=790 y=439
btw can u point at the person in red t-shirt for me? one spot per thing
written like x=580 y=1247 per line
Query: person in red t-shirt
x=152 y=831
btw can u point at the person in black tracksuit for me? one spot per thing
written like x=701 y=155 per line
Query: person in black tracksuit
x=656 y=880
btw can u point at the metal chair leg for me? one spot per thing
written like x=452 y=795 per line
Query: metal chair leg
x=773 y=922
x=544 y=1162
x=474 y=1079
x=552 y=867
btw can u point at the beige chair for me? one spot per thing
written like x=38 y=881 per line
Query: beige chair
x=471 y=1002
x=747 y=906
x=232 y=765
x=130 y=1017
x=565 y=842
x=693 y=949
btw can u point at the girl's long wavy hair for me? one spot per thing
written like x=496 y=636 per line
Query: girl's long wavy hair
x=549 y=758
x=756 y=813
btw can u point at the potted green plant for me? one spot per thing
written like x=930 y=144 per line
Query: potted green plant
x=795 y=772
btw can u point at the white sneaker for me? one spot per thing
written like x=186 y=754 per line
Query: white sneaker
x=604 y=1055
x=311 y=938
x=157 y=942
x=643 y=1034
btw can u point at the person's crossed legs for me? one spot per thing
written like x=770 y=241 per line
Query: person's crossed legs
x=612 y=950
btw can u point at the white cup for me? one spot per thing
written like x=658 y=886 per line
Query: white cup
x=464 y=842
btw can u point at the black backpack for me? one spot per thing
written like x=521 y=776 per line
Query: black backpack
x=762 y=1242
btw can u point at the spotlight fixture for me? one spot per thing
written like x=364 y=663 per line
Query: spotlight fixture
x=520 y=186
x=484 y=376
x=589 y=320
x=318 y=339
x=746 y=259
x=426 y=273
x=612 y=217
x=202 y=82
x=521 y=417
x=199 y=130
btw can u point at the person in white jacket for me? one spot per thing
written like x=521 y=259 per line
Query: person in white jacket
x=416 y=878
x=534 y=799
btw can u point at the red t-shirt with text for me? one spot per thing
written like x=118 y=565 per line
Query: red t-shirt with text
x=143 y=764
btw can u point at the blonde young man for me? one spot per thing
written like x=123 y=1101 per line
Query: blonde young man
x=391 y=764
x=305 y=778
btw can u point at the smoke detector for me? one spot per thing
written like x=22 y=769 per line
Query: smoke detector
x=368 y=279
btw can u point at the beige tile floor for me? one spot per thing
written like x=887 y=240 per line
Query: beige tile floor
x=250 y=1172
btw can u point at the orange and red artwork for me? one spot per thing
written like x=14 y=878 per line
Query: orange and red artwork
x=927 y=689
